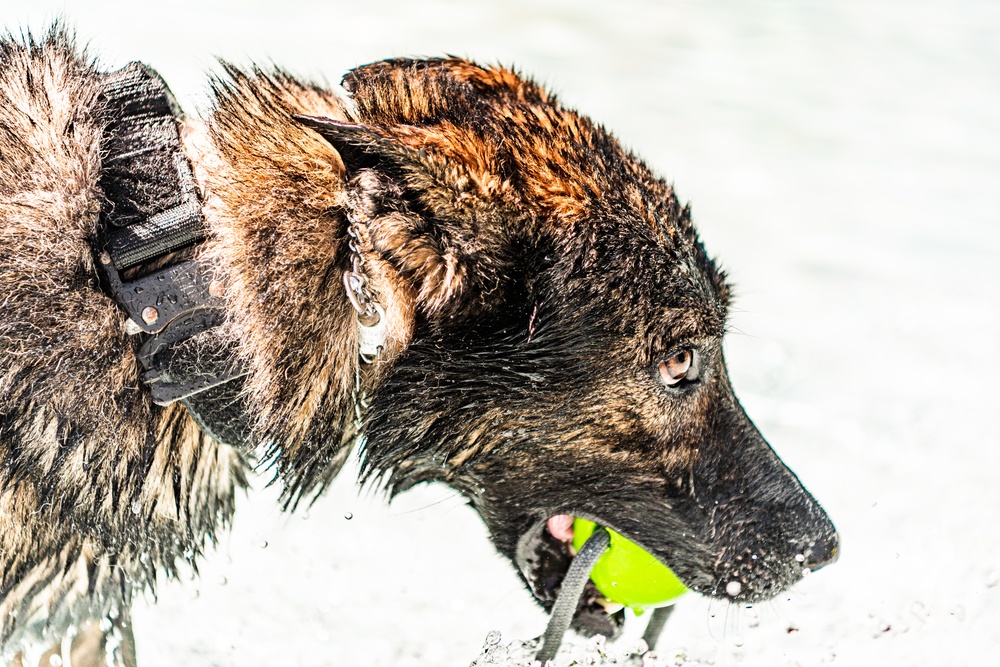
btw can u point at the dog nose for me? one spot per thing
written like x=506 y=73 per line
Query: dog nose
x=822 y=552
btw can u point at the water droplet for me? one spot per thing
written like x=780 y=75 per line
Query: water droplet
x=800 y=558
x=55 y=660
x=738 y=641
x=753 y=556
x=223 y=581
x=263 y=544
x=136 y=507
x=493 y=638
x=733 y=588
x=105 y=624
x=349 y=516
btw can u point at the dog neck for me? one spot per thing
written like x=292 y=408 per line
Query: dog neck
x=146 y=246
x=275 y=299
x=275 y=204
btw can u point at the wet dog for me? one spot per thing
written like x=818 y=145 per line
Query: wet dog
x=549 y=335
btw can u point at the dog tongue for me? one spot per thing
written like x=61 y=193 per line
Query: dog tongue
x=561 y=527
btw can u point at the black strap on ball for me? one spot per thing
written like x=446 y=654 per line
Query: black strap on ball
x=654 y=628
x=570 y=591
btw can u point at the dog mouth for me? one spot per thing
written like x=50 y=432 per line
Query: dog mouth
x=752 y=564
x=544 y=555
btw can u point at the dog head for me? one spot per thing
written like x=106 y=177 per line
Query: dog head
x=566 y=351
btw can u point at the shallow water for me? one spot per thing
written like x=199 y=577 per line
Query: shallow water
x=842 y=158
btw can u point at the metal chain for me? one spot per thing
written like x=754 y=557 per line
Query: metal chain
x=355 y=280
x=371 y=320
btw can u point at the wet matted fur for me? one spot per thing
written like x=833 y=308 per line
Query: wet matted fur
x=99 y=488
x=534 y=275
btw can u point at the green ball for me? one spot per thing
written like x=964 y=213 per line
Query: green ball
x=628 y=574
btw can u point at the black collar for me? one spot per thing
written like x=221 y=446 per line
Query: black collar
x=151 y=216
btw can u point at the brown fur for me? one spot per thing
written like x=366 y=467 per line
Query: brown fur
x=279 y=257
x=533 y=274
x=99 y=487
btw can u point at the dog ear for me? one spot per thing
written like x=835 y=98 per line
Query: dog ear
x=359 y=146
x=425 y=215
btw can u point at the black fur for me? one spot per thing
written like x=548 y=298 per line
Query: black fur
x=534 y=275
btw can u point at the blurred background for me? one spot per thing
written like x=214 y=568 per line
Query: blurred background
x=842 y=158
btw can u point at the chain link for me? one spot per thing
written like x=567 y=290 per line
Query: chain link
x=369 y=314
x=355 y=280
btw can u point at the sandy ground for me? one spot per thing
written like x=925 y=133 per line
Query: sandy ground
x=842 y=159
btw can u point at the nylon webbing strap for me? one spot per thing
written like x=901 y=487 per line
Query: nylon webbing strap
x=154 y=207
x=165 y=232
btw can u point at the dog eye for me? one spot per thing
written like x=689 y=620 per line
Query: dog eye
x=681 y=366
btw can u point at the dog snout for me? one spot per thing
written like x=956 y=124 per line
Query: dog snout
x=822 y=552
